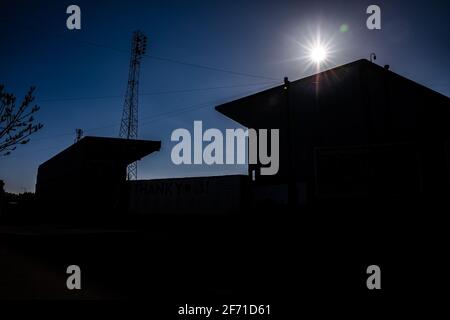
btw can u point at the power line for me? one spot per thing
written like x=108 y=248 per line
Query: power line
x=152 y=118
x=186 y=63
x=196 y=65
x=155 y=93
x=112 y=125
x=171 y=60
x=176 y=61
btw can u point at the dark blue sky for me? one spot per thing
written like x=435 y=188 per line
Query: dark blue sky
x=81 y=75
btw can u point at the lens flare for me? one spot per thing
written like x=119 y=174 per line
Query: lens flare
x=316 y=49
x=318 y=54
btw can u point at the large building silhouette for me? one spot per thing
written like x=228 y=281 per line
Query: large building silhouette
x=90 y=175
x=352 y=134
x=357 y=131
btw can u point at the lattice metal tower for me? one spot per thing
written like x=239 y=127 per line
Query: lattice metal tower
x=129 y=124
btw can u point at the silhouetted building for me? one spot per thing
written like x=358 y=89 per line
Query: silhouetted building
x=194 y=195
x=348 y=135
x=90 y=174
x=357 y=131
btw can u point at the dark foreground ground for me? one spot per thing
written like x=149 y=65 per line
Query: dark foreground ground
x=296 y=262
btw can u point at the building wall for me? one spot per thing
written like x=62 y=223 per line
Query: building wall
x=365 y=128
x=199 y=195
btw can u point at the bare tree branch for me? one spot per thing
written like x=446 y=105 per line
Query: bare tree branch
x=16 y=123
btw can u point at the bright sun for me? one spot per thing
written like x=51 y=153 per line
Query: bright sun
x=318 y=54
x=317 y=50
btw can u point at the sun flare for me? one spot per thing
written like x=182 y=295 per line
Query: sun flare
x=318 y=54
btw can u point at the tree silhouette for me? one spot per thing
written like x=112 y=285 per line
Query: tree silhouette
x=16 y=123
